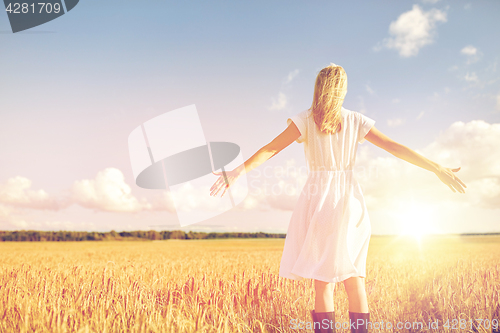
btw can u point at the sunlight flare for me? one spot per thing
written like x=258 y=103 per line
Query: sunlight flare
x=416 y=218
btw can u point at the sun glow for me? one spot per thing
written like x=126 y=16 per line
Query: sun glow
x=416 y=219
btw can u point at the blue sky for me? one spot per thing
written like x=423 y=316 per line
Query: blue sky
x=74 y=88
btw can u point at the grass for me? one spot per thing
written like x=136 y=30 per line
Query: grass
x=233 y=286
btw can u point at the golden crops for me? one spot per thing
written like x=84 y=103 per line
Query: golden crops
x=233 y=286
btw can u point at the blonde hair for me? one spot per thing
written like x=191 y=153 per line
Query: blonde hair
x=329 y=92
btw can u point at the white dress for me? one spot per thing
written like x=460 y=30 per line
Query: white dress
x=330 y=229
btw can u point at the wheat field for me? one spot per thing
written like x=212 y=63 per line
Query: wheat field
x=233 y=286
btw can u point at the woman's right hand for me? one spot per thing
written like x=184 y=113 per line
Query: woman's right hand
x=447 y=176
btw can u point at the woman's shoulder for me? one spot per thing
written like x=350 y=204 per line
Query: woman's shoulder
x=348 y=113
x=345 y=112
x=306 y=113
x=356 y=115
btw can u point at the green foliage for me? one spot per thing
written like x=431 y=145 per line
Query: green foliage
x=70 y=236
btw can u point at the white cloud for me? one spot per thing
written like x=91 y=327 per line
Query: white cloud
x=472 y=54
x=471 y=77
x=107 y=192
x=395 y=122
x=163 y=202
x=57 y=225
x=370 y=90
x=420 y=115
x=361 y=104
x=469 y=50
x=16 y=192
x=473 y=146
x=4 y=211
x=279 y=103
x=291 y=76
x=413 y=30
x=498 y=101
x=396 y=100
x=10 y=219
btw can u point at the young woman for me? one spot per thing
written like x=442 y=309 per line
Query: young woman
x=329 y=232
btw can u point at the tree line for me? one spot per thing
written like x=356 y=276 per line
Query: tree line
x=72 y=236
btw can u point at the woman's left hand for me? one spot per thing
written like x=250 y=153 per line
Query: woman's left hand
x=231 y=177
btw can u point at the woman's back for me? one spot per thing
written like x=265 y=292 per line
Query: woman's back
x=335 y=152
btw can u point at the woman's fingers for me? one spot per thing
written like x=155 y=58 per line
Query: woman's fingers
x=458 y=186
x=448 y=177
x=219 y=181
x=218 y=186
x=215 y=184
x=225 y=189
x=458 y=183
x=222 y=188
x=461 y=182
x=226 y=179
x=216 y=190
x=458 y=179
x=213 y=190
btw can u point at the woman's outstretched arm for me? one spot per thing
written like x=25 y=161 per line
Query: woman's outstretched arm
x=446 y=175
x=283 y=140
